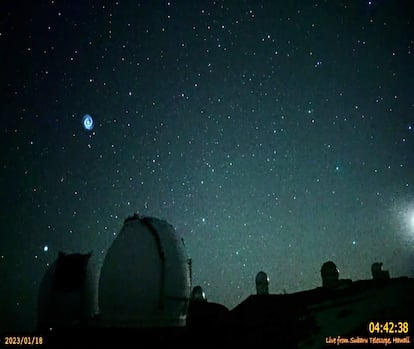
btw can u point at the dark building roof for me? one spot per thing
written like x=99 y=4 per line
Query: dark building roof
x=298 y=320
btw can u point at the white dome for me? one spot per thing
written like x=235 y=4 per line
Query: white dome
x=145 y=277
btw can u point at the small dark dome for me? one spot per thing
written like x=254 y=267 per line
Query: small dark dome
x=262 y=283
x=330 y=274
x=197 y=294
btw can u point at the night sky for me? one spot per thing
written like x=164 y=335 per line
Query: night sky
x=273 y=135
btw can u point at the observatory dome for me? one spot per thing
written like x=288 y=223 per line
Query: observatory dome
x=145 y=277
x=68 y=292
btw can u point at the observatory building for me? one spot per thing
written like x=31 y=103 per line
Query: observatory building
x=142 y=292
x=145 y=277
x=144 y=282
x=68 y=292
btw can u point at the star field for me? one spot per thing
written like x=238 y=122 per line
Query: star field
x=272 y=136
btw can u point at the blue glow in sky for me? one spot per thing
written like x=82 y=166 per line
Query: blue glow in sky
x=87 y=122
